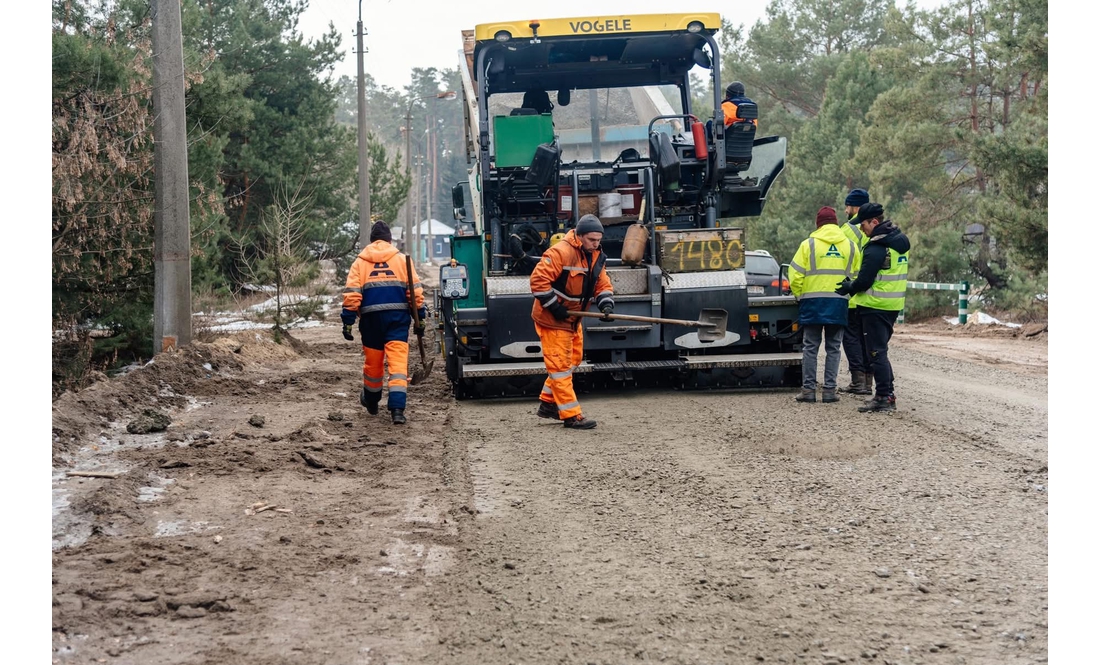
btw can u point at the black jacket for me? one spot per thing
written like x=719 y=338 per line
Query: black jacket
x=884 y=237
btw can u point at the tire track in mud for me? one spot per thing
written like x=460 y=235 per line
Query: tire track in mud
x=708 y=527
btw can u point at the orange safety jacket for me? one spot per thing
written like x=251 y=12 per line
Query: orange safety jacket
x=568 y=275
x=729 y=110
x=377 y=289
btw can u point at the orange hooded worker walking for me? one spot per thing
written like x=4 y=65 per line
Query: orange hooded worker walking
x=568 y=277
x=377 y=291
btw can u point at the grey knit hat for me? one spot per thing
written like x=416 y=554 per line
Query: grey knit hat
x=589 y=224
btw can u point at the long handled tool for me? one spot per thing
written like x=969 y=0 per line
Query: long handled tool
x=711 y=323
x=422 y=372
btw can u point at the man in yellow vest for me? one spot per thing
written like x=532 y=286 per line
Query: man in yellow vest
x=853 y=335
x=879 y=294
x=820 y=261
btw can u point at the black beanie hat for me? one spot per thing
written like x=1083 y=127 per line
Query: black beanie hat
x=589 y=224
x=380 y=231
x=870 y=211
x=857 y=197
x=735 y=89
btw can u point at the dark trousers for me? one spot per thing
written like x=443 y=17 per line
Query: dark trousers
x=878 y=328
x=853 y=343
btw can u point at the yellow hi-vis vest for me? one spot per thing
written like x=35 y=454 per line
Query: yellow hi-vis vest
x=821 y=262
x=856 y=235
x=888 y=290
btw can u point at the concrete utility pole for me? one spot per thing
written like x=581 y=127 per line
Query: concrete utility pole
x=448 y=95
x=408 y=172
x=430 y=188
x=364 y=167
x=172 y=224
x=419 y=175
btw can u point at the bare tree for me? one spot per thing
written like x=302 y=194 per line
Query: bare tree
x=281 y=259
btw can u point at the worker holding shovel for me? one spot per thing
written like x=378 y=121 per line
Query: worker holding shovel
x=380 y=287
x=568 y=277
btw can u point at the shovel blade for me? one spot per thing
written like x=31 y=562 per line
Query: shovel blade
x=713 y=324
x=421 y=373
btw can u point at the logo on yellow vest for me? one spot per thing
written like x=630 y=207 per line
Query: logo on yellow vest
x=833 y=252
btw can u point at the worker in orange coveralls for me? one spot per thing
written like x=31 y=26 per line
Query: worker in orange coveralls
x=567 y=278
x=377 y=291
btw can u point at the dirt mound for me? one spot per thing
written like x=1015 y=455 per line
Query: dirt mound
x=1035 y=331
x=163 y=383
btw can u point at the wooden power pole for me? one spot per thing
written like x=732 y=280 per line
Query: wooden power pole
x=172 y=226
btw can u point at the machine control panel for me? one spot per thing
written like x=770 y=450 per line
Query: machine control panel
x=454 y=282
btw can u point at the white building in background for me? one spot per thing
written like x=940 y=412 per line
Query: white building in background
x=440 y=244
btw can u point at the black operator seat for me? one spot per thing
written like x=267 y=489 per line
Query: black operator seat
x=739 y=138
x=664 y=157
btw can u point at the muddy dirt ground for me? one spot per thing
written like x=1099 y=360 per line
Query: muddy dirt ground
x=276 y=522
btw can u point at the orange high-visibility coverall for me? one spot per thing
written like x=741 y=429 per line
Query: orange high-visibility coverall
x=568 y=275
x=729 y=110
x=378 y=288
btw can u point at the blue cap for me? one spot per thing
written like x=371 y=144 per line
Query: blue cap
x=857 y=197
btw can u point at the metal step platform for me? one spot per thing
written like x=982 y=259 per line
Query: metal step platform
x=472 y=371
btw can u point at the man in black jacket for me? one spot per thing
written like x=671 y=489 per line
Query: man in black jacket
x=879 y=294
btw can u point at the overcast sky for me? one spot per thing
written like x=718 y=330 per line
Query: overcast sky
x=401 y=35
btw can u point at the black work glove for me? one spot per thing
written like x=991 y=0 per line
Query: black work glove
x=559 y=311
x=844 y=288
x=607 y=308
x=347 y=317
x=419 y=328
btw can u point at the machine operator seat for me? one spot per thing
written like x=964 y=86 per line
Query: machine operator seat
x=739 y=139
x=664 y=157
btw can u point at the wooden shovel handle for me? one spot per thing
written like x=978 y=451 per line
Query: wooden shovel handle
x=646 y=319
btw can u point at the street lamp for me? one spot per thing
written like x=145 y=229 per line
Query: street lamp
x=448 y=95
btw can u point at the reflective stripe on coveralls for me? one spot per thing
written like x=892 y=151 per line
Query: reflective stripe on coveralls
x=562 y=351
x=887 y=292
x=396 y=355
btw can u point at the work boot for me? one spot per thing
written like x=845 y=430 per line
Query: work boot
x=372 y=407
x=807 y=395
x=885 y=403
x=860 y=385
x=579 y=422
x=866 y=386
x=398 y=416
x=548 y=410
x=829 y=395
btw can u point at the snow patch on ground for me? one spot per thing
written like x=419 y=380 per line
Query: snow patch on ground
x=981 y=319
x=246 y=318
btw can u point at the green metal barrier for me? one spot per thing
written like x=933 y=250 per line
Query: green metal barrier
x=962 y=287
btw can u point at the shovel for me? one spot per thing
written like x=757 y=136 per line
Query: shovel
x=422 y=372
x=711 y=323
